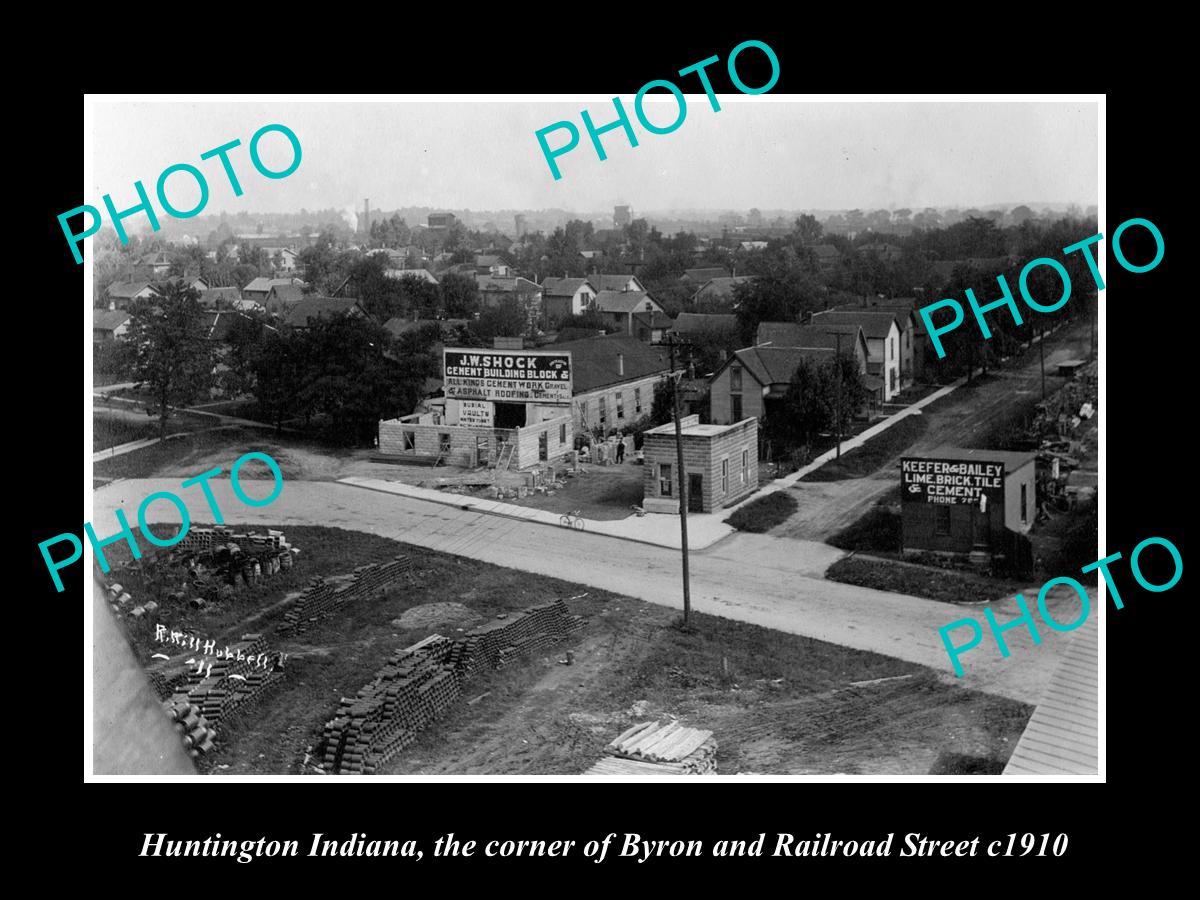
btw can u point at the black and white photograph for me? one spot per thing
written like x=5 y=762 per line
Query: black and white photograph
x=694 y=434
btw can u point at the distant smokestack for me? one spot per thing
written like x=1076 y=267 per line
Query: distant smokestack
x=621 y=364
x=366 y=216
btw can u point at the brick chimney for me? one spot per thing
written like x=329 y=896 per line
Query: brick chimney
x=621 y=364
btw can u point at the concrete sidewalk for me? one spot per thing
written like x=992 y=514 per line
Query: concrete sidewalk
x=704 y=529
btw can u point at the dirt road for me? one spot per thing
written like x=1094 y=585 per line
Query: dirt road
x=757 y=579
x=828 y=507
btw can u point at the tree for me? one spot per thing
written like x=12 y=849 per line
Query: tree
x=1021 y=214
x=808 y=229
x=811 y=404
x=507 y=319
x=174 y=357
x=460 y=296
x=349 y=379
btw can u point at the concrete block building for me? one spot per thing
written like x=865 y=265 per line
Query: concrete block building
x=720 y=462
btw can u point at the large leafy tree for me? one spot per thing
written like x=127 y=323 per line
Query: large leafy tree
x=460 y=296
x=174 y=356
x=811 y=404
x=507 y=319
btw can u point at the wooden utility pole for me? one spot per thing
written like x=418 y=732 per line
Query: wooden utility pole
x=837 y=365
x=683 y=498
x=1042 y=353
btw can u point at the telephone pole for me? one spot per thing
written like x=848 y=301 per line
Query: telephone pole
x=837 y=366
x=683 y=498
x=1042 y=353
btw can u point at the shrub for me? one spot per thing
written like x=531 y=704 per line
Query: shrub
x=876 y=532
x=764 y=513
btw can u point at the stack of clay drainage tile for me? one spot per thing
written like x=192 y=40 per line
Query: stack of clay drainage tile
x=415 y=687
x=418 y=684
x=651 y=749
x=322 y=599
x=194 y=728
x=216 y=692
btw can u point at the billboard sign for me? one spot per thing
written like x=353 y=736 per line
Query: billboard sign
x=951 y=481
x=518 y=376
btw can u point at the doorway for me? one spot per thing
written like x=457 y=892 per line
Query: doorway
x=695 y=492
x=544 y=446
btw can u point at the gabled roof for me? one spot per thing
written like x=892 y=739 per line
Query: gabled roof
x=723 y=287
x=776 y=365
x=874 y=323
x=826 y=251
x=109 y=319
x=288 y=293
x=129 y=288
x=491 y=259
x=311 y=308
x=507 y=284
x=695 y=323
x=263 y=285
x=614 y=282
x=900 y=307
x=420 y=274
x=654 y=319
x=594 y=362
x=564 y=287
x=707 y=273
x=790 y=334
x=622 y=301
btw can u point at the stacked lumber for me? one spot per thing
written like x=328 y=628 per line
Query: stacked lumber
x=615 y=766
x=322 y=598
x=693 y=750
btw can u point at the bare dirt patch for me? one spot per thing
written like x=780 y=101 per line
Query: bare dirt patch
x=438 y=615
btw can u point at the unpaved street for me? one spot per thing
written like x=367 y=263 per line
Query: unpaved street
x=827 y=507
x=752 y=578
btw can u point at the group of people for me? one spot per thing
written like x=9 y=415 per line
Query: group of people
x=610 y=453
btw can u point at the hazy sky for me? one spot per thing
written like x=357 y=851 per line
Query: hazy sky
x=764 y=151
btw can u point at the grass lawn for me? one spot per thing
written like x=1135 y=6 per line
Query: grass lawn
x=776 y=702
x=866 y=459
x=948 y=585
x=146 y=461
x=765 y=513
x=878 y=531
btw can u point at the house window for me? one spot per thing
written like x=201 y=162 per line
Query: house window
x=637 y=401
x=941 y=520
x=745 y=466
x=735 y=407
x=410 y=440
x=735 y=378
x=620 y=406
x=1024 y=501
x=725 y=475
x=892 y=344
x=664 y=480
x=603 y=410
x=444 y=442
x=562 y=433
